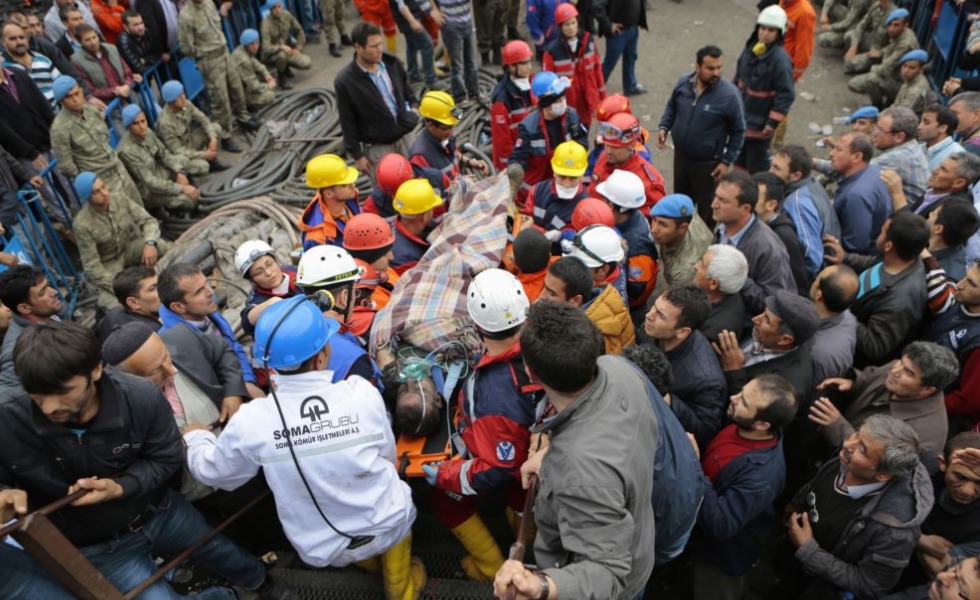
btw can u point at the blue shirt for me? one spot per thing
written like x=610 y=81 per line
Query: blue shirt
x=862 y=204
x=381 y=81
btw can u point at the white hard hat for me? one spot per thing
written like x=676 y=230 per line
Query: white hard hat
x=597 y=245
x=624 y=189
x=326 y=266
x=773 y=16
x=496 y=300
x=248 y=253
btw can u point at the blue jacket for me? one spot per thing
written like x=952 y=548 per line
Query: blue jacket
x=170 y=318
x=548 y=210
x=541 y=20
x=347 y=358
x=705 y=128
x=862 y=204
x=801 y=209
x=737 y=513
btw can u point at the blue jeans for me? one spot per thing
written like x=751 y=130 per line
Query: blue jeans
x=419 y=43
x=461 y=41
x=622 y=44
x=22 y=577
x=125 y=561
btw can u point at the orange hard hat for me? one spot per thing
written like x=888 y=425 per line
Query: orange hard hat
x=516 y=51
x=620 y=131
x=565 y=12
x=393 y=170
x=367 y=231
x=612 y=105
x=592 y=211
x=369 y=275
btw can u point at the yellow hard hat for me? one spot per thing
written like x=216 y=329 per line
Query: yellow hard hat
x=328 y=170
x=440 y=107
x=570 y=159
x=415 y=197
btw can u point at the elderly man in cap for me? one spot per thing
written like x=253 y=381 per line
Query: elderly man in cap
x=160 y=175
x=112 y=233
x=778 y=345
x=187 y=131
x=909 y=389
x=884 y=79
x=259 y=84
x=681 y=238
x=80 y=140
x=282 y=42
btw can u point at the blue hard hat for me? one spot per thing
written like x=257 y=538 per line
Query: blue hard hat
x=61 y=86
x=865 y=112
x=898 y=13
x=249 y=36
x=291 y=331
x=83 y=185
x=920 y=55
x=547 y=83
x=674 y=206
x=171 y=91
x=130 y=113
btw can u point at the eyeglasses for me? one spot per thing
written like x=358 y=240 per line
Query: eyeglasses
x=877 y=129
x=811 y=502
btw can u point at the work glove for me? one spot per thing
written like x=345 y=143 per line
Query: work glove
x=431 y=471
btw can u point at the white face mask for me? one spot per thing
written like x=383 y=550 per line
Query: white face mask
x=523 y=83
x=558 y=108
x=565 y=193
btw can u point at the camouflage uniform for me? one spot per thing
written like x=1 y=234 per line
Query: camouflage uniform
x=275 y=33
x=882 y=83
x=253 y=74
x=153 y=168
x=188 y=132
x=840 y=24
x=916 y=94
x=868 y=34
x=81 y=143
x=333 y=20
x=111 y=241
x=201 y=37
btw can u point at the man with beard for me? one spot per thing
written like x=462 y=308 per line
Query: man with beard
x=32 y=300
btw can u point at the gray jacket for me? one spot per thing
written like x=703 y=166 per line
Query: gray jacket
x=208 y=360
x=832 y=349
x=769 y=268
x=593 y=511
x=8 y=377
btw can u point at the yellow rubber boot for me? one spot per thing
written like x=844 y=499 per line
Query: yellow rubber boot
x=514 y=521
x=484 y=558
x=392 y=41
x=404 y=575
x=371 y=565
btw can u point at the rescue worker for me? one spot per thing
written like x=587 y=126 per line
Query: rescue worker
x=364 y=310
x=600 y=249
x=884 y=78
x=367 y=509
x=112 y=233
x=510 y=100
x=271 y=280
x=369 y=238
x=283 y=40
x=436 y=146
x=620 y=135
x=551 y=202
x=329 y=274
x=80 y=140
x=608 y=108
x=592 y=211
x=160 y=175
x=496 y=408
x=325 y=217
x=257 y=82
x=202 y=38
x=394 y=170
x=624 y=193
x=573 y=54
x=415 y=204
x=187 y=131
x=765 y=77
x=541 y=131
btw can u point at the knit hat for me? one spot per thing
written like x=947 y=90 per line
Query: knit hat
x=130 y=113
x=171 y=91
x=249 y=36
x=61 y=86
x=83 y=185
x=898 y=13
x=865 y=112
x=799 y=314
x=532 y=251
x=124 y=341
x=674 y=206
x=920 y=55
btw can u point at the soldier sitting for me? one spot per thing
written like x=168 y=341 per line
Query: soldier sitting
x=185 y=130
x=278 y=28
x=884 y=79
x=256 y=79
x=915 y=93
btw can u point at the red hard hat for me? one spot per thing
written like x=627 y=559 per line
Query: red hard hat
x=516 y=51
x=565 y=12
x=393 y=170
x=367 y=231
x=592 y=211
x=369 y=275
x=612 y=105
x=620 y=131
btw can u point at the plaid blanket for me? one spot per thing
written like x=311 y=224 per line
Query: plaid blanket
x=428 y=305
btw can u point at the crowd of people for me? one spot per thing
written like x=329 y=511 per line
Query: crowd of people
x=772 y=369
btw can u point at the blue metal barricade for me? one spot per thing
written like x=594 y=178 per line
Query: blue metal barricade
x=114 y=134
x=45 y=248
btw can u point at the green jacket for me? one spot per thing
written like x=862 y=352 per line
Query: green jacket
x=102 y=237
x=201 y=35
x=871 y=27
x=275 y=32
x=251 y=70
x=175 y=129
x=150 y=163
x=915 y=94
x=891 y=55
x=81 y=142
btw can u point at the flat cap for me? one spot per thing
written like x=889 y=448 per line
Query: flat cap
x=799 y=314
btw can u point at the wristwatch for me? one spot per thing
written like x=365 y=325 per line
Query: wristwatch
x=545 y=586
x=151 y=243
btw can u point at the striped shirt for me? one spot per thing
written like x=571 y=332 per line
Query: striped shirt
x=42 y=72
x=456 y=11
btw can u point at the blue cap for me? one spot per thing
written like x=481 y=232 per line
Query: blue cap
x=249 y=36
x=920 y=55
x=83 y=185
x=171 y=91
x=865 y=112
x=271 y=4
x=61 y=86
x=130 y=113
x=898 y=13
x=674 y=206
